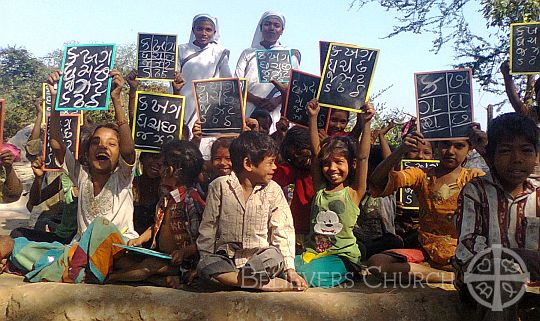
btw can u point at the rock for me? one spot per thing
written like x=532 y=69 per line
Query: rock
x=55 y=301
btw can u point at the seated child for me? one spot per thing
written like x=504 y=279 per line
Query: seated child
x=146 y=191
x=296 y=154
x=177 y=219
x=502 y=207
x=90 y=260
x=104 y=172
x=437 y=190
x=64 y=231
x=10 y=185
x=246 y=237
x=339 y=170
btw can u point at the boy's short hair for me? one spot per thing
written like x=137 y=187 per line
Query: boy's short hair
x=185 y=157
x=253 y=145
x=511 y=125
x=260 y=113
x=222 y=142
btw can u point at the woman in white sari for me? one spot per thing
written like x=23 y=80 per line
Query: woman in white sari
x=202 y=58
x=264 y=95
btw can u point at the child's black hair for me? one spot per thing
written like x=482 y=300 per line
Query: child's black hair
x=511 y=125
x=253 y=145
x=375 y=158
x=222 y=142
x=186 y=132
x=185 y=157
x=341 y=145
x=260 y=113
x=87 y=132
x=296 y=139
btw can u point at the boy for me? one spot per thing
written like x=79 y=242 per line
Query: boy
x=246 y=237
x=178 y=214
x=502 y=207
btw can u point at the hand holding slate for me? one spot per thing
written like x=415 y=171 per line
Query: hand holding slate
x=132 y=81
x=37 y=166
x=197 y=133
x=178 y=83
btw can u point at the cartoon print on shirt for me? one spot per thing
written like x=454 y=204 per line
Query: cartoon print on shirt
x=326 y=227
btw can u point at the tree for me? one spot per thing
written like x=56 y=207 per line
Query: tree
x=446 y=21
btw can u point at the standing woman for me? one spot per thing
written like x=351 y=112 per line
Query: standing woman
x=201 y=58
x=264 y=95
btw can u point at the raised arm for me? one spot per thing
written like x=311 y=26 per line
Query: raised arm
x=359 y=185
x=386 y=151
x=37 y=194
x=37 y=123
x=511 y=91
x=127 y=147
x=55 y=140
x=133 y=86
x=313 y=109
x=379 y=178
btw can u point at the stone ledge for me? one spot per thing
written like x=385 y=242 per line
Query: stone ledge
x=55 y=301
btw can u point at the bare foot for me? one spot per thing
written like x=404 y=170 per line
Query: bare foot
x=173 y=281
x=279 y=285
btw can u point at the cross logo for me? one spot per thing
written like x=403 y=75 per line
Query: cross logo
x=496 y=277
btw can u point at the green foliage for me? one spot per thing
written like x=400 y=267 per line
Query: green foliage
x=446 y=22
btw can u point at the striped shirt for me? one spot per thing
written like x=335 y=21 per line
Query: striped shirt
x=240 y=228
x=488 y=215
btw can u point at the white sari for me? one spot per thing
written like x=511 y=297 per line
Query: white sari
x=247 y=68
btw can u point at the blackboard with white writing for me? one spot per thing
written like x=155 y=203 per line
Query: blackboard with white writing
x=158 y=120
x=70 y=128
x=156 y=56
x=273 y=65
x=219 y=104
x=525 y=48
x=347 y=76
x=444 y=103
x=407 y=197
x=303 y=88
x=85 y=83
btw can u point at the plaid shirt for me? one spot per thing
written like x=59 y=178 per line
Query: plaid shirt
x=240 y=228
x=487 y=215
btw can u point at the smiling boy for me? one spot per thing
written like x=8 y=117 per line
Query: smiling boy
x=246 y=236
x=503 y=206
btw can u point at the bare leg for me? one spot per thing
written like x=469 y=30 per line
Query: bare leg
x=382 y=265
x=150 y=266
x=236 y=280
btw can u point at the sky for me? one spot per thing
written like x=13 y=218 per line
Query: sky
x=42 y=26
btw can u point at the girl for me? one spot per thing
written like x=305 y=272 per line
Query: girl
x=201 y=58
x=437 y=189
x=340 y=178
x=104 y=174
x=261 y=95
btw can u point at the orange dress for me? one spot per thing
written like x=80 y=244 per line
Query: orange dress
x=437 y=231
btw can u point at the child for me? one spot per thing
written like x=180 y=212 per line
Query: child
x=89 y=260
x=296 y=154
x=246 y=237
x=502 y=207
x=338 y=122
x=10 y=185
x=177 y=219
x=146 y=191
x=105 y=176
x=339 y=174
x=221 y=157
x=264 y=119
x=437 y=190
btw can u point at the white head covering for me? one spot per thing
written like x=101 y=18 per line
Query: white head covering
x=258 y=37
x=215 y=38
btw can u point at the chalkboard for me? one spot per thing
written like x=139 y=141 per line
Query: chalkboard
x=303 y=88
x=2 y=113
x=406 y=196
x=47 y=101
x=525 y=48
x=244 y=86
x=157 y=56
x=273 y=64
x=85 y=83
x=220 y=106
x=324 y=46
x=158 y=120
x=70 y=128
x=347 y=75
x=444 y=103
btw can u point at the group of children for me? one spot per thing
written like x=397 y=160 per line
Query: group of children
x=227 y=220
